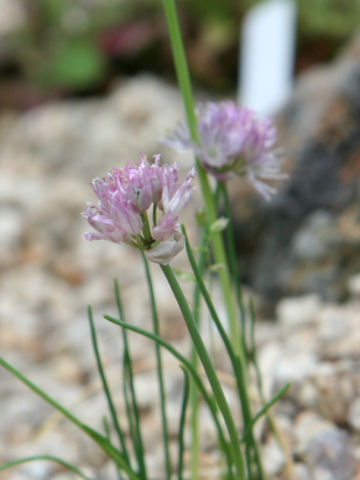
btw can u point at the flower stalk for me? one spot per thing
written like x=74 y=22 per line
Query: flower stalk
x=210 y=206
x=210 y=372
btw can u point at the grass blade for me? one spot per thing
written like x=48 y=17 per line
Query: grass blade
x=268 y=405
x=209 y=401
x=106 y=387
x=99 y=439
x=237 y=364
x=130 y=394
x=182 y=423
x=159 y=370
x=50 y=458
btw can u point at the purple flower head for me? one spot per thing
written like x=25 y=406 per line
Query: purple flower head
x=233 y=141
x=143 y=183
x=125 y=196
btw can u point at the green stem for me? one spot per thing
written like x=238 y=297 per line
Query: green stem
x=107 y=431
x=265 y=409
x=217 y=242
x=220 y=257
x=106 y=388
x=233 y=264
x=209 y=369
x=182 y=424
x=146 y=228
x=238 y=367
x=133 y=415
x=181 y=65
x=194 y=427
x=194 y=396
x=154 y=214
x=159 y=370
x=131 y=404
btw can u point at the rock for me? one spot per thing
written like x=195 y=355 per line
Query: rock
x=298 y=311
x=10 y=227
x=295 y=368
x=308 y=424
x=354 y=414
x=12 y=19
x=335 y=392
x=332 y=324
x=301 y=471
x=326 y=449
x=307 y=238
x=339 y=338
x=67 y=369
x=354 y=285
x=273 y=457
x=330 y=456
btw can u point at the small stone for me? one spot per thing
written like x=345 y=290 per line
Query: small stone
x=332 y=323
x=326 y=449
x=295 y=368
x=273 y=457
x=307 y=425
x=308 y=396
x=335 y=392
x=68 y=370
x=301 y=472
x=67 y=269
x=354 y=414
x=13 y=17
x=10 y=226
x=354 y=285
x=330 y=454
x=297 y=312
x=315 y=236
x=322 y=474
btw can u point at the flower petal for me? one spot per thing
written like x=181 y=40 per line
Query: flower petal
x=165 y=251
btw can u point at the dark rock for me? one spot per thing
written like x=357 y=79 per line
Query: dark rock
x=308 y=237
x=330 y=453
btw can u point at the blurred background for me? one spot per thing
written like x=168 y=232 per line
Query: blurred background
x=62 y=48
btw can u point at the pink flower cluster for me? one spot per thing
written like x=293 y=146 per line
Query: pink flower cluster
x=233 y=141
x=125 y=196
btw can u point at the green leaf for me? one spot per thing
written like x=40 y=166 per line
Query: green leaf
x=106 y=387
x=219 y=225
x=113 y=453
x=267 y=407
x=53 y=10
x=99 y=439
x=197 y=379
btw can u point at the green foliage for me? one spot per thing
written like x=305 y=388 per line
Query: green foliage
x=213 y=8
x=330 y=18
x=78 y=64
x=59 y=46
x=334 y=18
x=53 y=9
